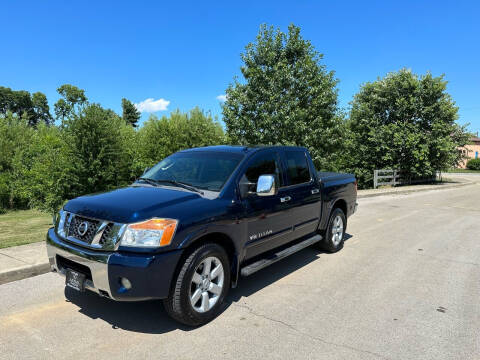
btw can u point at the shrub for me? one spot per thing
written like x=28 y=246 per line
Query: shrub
x=159 y=138
x=473 y=164
x=45 y=169
x=15 y=135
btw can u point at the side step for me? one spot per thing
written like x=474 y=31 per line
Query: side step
x=262 y=263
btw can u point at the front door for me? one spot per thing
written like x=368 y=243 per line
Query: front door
x=268 y=219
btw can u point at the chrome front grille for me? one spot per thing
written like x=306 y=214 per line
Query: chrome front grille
x=92 y=233
x=78 y=224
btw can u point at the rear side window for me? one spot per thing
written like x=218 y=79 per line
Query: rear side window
x=297 y=167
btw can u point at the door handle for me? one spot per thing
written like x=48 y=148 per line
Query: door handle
x=315 y=191
x=285 y=199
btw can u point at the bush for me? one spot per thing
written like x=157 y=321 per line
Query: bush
x=15 y=135
x=92 y=150
x=46 y=170
x=473 y=164
x=159 y=138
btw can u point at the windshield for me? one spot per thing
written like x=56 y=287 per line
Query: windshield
x=204 y=170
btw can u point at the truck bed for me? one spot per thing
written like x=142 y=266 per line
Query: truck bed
x=327 y=177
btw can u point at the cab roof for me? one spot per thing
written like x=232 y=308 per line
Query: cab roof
x=241 y=149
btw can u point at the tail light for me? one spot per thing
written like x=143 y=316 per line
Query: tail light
x=356 y=185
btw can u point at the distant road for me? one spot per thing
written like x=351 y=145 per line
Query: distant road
x=405 y=286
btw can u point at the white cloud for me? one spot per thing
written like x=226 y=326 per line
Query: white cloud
x=222 y=98
x=151 y=105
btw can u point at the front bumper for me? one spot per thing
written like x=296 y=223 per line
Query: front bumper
x=149 y=274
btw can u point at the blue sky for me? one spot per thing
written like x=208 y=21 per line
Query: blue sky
x=186 y=53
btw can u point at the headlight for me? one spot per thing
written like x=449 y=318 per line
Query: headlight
x=150 y=233
x=60 y=223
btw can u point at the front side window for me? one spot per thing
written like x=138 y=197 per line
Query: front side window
x=263 y=164
x=297 y=167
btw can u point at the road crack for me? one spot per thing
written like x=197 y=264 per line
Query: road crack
x=253 y=312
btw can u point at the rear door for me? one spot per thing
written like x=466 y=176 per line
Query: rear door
x=268 y=218
x=303 y=188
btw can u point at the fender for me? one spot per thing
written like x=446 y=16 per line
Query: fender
x=222 y=231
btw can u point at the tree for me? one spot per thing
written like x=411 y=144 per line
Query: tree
x=45 y=172
x=130 y=113
x=15 y=135
x=159 y=138
x=94 y=137
x=406 y=122
x=41 y=108
x=73 y=99
x=34 y=107
x=287 y=97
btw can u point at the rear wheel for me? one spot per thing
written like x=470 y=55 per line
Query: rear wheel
x=333 y=237
x=201 y=286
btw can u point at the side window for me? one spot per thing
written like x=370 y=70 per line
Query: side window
x=297 y=167
x=263 y=164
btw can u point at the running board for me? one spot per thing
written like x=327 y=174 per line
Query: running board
x=262 y=263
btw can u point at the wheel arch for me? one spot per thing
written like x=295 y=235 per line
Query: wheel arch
x=340 y=204
x=221 y=239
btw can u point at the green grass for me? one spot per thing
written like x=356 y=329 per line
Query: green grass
x=463 y=171
x=23 y=227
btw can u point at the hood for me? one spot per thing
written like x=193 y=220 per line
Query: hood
x=130 y=204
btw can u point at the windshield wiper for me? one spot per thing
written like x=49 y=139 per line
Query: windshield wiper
x=180 y=184
x=148 y=180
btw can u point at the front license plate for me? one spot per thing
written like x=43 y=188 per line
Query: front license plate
x=75 y=280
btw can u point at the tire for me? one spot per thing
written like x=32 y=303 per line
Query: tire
x=334 y=236
x=194 y=277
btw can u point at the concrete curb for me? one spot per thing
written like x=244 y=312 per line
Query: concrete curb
x=24 y=272
x=408 y=191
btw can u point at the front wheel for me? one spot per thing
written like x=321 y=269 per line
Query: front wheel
x=201 y=286
x=333 y=237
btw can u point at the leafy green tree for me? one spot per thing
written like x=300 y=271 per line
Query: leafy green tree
x=15 y=134
x=406 y=122
x=287 y=97
x=46 y=172
x=73 y=100
x=159 y=138
x=41 y=108
x=95 y=141
x=34 y=107
x=130 y=113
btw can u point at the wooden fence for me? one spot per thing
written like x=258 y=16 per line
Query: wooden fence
x=396 y=177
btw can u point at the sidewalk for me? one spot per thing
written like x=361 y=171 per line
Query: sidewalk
x=20 y=262
x=412 y=188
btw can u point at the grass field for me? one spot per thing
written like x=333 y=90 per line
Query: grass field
x=23 y=227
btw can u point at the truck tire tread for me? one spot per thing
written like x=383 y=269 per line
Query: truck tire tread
x=175 y=305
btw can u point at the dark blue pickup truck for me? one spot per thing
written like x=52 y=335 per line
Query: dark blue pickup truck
x=193 y=224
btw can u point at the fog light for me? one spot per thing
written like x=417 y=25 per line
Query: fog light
x=126 y=283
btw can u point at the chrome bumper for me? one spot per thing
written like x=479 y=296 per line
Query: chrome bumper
x=95 y=261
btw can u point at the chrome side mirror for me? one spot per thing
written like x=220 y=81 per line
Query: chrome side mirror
x=266 y=185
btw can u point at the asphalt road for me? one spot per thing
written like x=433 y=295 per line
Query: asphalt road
x=405 y=286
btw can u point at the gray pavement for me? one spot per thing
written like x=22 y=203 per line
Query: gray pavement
x=405 y=286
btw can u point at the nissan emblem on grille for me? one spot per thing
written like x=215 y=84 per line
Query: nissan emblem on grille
x=82 y=228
